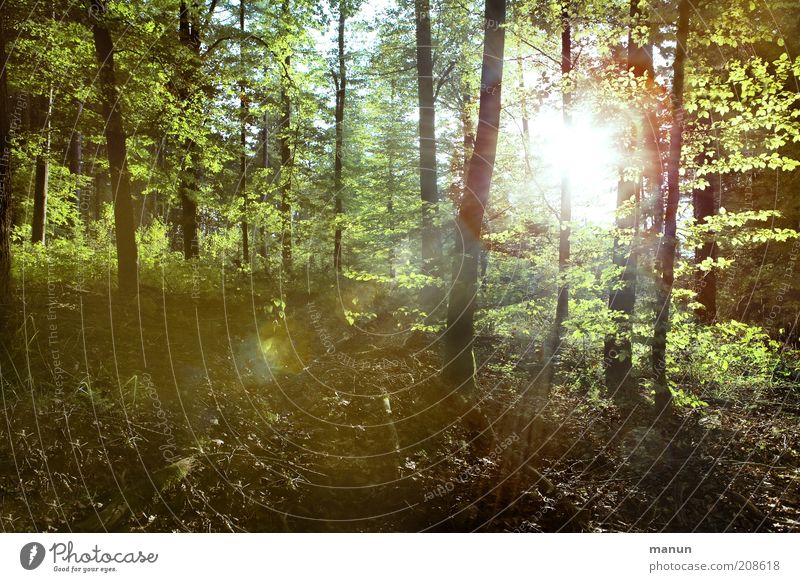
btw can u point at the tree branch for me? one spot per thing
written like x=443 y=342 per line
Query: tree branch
x=443 y=78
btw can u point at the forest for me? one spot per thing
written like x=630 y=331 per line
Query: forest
x=400 y=266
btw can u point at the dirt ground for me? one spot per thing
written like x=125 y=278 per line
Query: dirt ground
x=175 y=414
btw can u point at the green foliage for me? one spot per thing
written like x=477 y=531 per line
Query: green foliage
x=194 y=119
x=730 y=360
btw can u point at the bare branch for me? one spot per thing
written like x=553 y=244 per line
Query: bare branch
x=443 y=78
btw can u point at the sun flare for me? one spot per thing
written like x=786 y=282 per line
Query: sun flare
x=587 y=152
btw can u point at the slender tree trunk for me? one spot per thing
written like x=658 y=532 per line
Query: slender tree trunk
x=5 y=177
x=705 y=206
x=390 y=219
x=285 y=175
x=41 y=123
x=341 y=87
x=390 y=182
x=265 y=147
x=622 y=300
x=75 y=163
x=468 y=144
x=640 y=60
x=243 y=110
x=97 y=200
x=653 y=171
x=127 y=255
x=459 y=365
x=523 y=103
x=188 y=188
x=666 y=259
x=189 y=34
x=265 y=165
x=562 y=301
x=431 y=241
x=618 y=348
x=653 y=197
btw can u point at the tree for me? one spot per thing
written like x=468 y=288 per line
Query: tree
x=565 y=216
x=668 y=248
x=127 y=254
x=618 y=350
x=42 y=105
x=428 y=175
x=189 y=35
x=341 y=91
x=459 y=363
x=243 y=113
x=5 y=174
x=284 y=139
x=704 y=202
x=75 y=159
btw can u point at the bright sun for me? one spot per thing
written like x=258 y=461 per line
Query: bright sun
x=587 y=151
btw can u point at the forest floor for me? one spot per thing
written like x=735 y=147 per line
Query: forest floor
x=173 y=413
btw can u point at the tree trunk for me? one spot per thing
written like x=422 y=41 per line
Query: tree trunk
x=562 y=301
x=468 y=144
x=391 y=184
x=5 y=178
x=341 y=87
x=459 y=364
x=127 y=256
x=265 y=165
x=41 y=124
x=243 y=111
x=705 y=206
x=390 y=219
x=523 y=103
x=97 y=198
x=618 y=349
x=641 y=61
x=666 y=259
x=431 y=241
x=189 y=33
x=285 y=175
x=75 y=162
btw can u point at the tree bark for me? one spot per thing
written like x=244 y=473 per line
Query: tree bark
x=75 y=163
x=390 y=182
x=265 y=165
x=641 y=61
x=705 y=206
x=41 y=124
x=285 y=175
x=243 y=111
x=667 y=250
x=565 y=216
x=341 y=88
x=127 y=255
x=428 y=176
x=618 y=349
x=97 y=191
x=459 y=364
x=189 y=34
x=523 y=103
x=5 y=177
